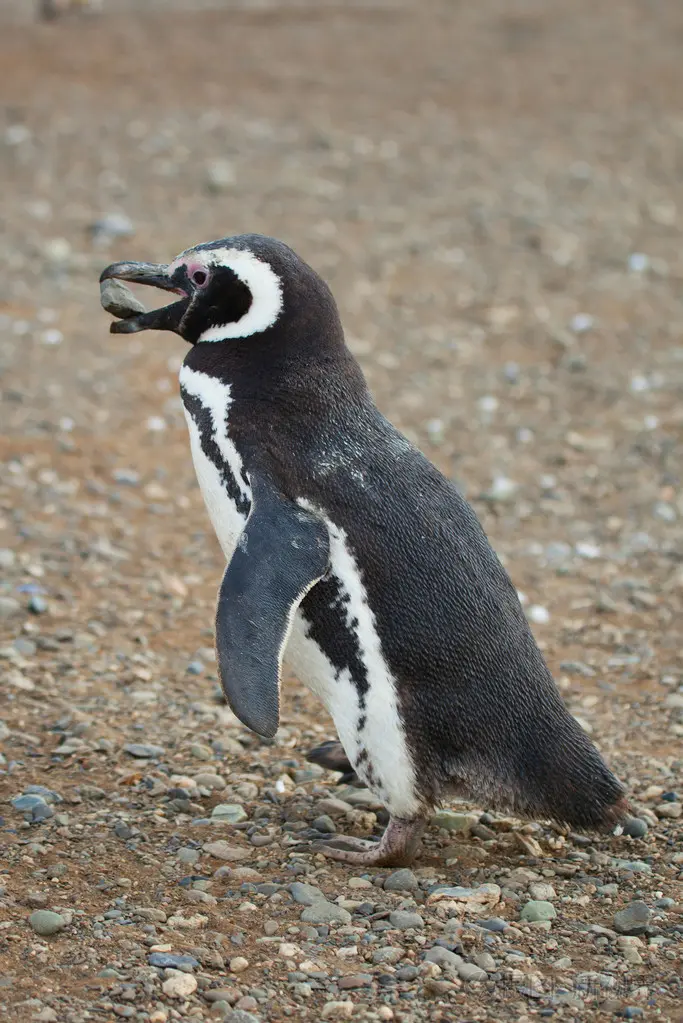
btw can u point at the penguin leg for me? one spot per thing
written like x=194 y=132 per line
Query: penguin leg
x=330 y=754
x=398 y=846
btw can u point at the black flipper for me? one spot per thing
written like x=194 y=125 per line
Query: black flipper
x=282 y=552
x=330 y=754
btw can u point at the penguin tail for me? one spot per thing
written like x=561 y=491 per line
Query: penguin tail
x=568 y=781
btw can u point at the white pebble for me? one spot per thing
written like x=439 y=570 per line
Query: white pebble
x=338 y=1010
x=156 y=424
x=179 y=985
x=239 y=964
x=52 y=337
x=639 y=384
x=638 y=262
x=538 y=614
x=287 y=951
x=590 y=551
x=581 y=322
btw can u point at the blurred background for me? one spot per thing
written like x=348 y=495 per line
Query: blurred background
x=494 y=191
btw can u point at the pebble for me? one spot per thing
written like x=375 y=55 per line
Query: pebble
x=388 y=954
x=169 y=960
x=232 y=813
x=542 y=892
x=45 y=922
x=239 y=964
x=222 y=850
x=9 y=607
x=119 y=301
x=143 y=751
x=401 y=881
x=354 y=981
x=337 y=1010
x=179 y=984
x=240 y=1016
x=671 y=811
x=538 y=910
x=323 y=912
x=451 y=821
x=402 y=920
x=444 y=957
x=634 y=919
x=305 y=894
x=635 y=827
x=469 y=972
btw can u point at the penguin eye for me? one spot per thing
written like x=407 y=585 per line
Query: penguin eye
x=200 y=277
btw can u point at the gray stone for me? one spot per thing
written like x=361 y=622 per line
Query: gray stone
x=119 y=301
x=388 y=954
x=635 y=827
x=27 y=803
x=451 y=821
x=305 y=894
x=241 y=1016
x=325 y=825
x=493 y=923
x=9 y=607
x=48 y=795
x=486 y=962
x=169 y=960
x=470 y=972
x=45 y=922
x=407 y=973
x=323 y=912
x=632 y=866
x=402 y=920
x=231 y=813
x=401 y=881
x=444 y=958
x=187 y=855
x=538 y=910
x=143 y=750
x=634 y=919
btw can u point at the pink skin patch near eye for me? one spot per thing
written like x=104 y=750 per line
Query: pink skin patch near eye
x=197 y=272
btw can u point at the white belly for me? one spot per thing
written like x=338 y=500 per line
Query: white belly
x=383 y=735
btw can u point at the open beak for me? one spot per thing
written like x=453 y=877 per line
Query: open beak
x=132 y=319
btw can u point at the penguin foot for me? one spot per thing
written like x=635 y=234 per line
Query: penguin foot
x=331 y=755
x=398 y=846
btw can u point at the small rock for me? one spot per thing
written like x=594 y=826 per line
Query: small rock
x=469 y=972
x=402 y=920
x=232 y=813
x=486 y=962
x=119 y=301
x=634 y=919
x=324 y=912
x=9 y=607
x=305 y=894
x=354 y=981
x=389 y=954
x=187 y=855
x=143 y=751
x=671 y=811
x=45 y=922
x=451 y=821
x=444 y=958
x=240 y=1016
x=220 y=175
x=538 y=910
x=169 y=960
x=542 y=892
x=401 y=881
x=635 y=827
x=224 y=851
x=325 y=825
x=179 y=984
x=239 y=964
x=337 y=1010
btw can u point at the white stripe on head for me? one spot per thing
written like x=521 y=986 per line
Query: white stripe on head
x=263 y=283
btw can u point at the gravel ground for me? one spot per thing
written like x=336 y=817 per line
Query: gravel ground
x=495 y=193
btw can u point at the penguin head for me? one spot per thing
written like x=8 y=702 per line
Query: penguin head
x=237 y=288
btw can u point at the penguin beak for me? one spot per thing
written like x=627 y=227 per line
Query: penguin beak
x=167 y=317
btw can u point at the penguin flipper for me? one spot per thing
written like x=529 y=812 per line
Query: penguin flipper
x=282 y=552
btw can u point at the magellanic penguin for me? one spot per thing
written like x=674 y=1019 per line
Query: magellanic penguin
x=352 y=558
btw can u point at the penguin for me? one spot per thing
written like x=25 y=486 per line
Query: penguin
x=353 y=560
